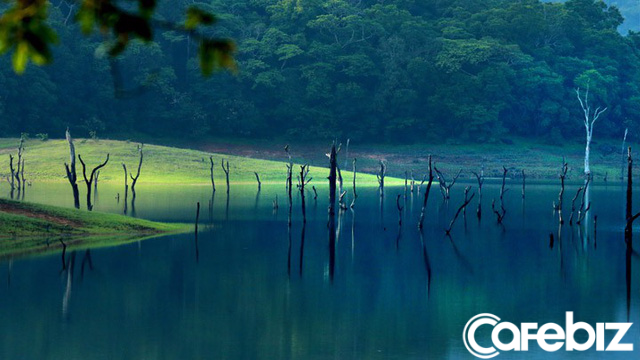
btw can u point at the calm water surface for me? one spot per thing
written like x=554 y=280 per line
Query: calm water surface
x=250 y=288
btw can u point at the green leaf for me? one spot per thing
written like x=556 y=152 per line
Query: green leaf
x=20 y=57
x=196 y=16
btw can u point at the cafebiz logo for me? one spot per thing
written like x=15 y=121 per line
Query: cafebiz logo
x=550 y=337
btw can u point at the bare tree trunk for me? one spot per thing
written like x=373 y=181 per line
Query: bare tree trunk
x=304 y=171
x=445 y=188
x=258 y=180
x=71 y=170
x=563 y=175
x=90 y=179
x=589 y=120
x=126 y=187
x=501 y=212
x=134 y=180
x=624 y=140
x=381 y=175
x=426 y=195
x=355 y=195
x=19 y=171
x=13 y=175
x=213 y=183
x=573 y=205
x=480 y=178
x=332 y=209
x=461 y=208
x=226 y=173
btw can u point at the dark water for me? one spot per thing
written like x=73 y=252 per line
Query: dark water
x=250 y=289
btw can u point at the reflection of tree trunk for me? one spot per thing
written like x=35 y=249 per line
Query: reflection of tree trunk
x=628 y=253
x=67 y=291
x=86 y=260
x=196 y=231
x=302 y=235
x=427 y=263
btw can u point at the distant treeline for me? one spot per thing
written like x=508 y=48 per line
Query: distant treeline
x=396 y=70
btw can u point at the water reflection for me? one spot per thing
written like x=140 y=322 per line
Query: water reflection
x=401 y=293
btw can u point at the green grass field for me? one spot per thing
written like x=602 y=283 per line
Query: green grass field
x=26 y=227
x=44 y=161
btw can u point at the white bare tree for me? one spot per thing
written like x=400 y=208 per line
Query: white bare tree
x=590 y=118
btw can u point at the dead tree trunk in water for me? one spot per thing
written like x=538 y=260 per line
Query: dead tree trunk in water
x=332 y=208
x=582 y=211
x=134 y=180
x=624 y=140
x=289 y=182
x=126 y=186
x=381 y=175
x=445 y=188
x=573 y=205
x=628 y=229
x=71 y=170
x=213 y=182
x=426 y=195
x=89 y=180
x=355 y=195
x=304 y=171
x=500 y=213
x=480 y=179
x=340 y=183
x=461 y=208
x=563 y=175
x=226 y=173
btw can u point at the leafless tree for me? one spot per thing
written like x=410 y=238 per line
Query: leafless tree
x=89 y=180
x=590 y=117
x=71 y=170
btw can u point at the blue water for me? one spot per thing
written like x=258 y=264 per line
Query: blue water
x=248 y=289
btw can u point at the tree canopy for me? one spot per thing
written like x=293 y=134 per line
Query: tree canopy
x=398 y=70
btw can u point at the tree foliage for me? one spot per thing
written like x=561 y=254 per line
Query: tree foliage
x=397 y=70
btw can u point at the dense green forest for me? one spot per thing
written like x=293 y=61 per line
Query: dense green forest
x=399 y=70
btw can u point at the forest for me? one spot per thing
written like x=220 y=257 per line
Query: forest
x=386 y=71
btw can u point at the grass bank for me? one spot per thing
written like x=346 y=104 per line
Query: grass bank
x=44 y=161
x=29 y=228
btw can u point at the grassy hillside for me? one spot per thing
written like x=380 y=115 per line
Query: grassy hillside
x=162 y=165
x=26 y=227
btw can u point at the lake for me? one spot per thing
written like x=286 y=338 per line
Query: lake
x=251 y=288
